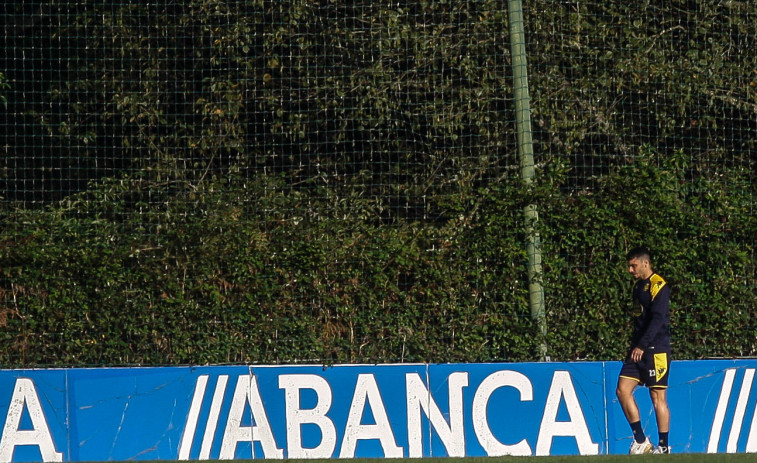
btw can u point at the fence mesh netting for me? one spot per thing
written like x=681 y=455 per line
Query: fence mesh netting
x=332 y=181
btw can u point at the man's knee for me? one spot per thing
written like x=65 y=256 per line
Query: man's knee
x=658 y=396
x=625 y=388
x=624 y=394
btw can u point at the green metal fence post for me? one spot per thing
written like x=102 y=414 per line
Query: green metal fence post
x=526 y=150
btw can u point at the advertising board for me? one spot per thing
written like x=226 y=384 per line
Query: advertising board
x=355 y=411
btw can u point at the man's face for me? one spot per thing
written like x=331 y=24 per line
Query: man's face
x=638 y=267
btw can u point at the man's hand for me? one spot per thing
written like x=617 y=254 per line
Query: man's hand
x=636 y=354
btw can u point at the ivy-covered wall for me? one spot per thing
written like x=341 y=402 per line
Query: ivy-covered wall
x=329 y=182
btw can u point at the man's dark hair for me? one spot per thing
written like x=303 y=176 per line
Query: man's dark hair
x=639 y=252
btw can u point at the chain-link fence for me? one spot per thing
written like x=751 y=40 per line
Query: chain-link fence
x=274 y=181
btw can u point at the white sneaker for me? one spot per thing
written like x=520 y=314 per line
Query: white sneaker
x=661 y=449
x=641 y=448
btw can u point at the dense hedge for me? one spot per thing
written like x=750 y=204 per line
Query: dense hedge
x=337 y=181
x=704 y=247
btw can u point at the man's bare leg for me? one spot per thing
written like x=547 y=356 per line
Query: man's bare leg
x=662 y=413
x=626 y=399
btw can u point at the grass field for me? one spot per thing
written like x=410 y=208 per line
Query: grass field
x=674 y=458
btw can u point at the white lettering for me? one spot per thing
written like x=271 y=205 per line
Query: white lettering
x=738 y=416
x=192 y=418
x=562 y=388
x=366 y=390
x=498 y=379
x=296 y=417
x=751 y=442
x=25 y=394
x=717 y=423
x=215 y=413
x=247 y=392
x=419 y=399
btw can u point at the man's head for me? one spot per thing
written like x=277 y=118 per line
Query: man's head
x=639 y=262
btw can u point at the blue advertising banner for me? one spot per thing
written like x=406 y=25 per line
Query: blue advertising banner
x=354 y=411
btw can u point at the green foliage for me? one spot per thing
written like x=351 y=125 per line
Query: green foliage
x=221 y=285
x=3 y=86
x=214 y=282
x=704 y=249
x=297 y=181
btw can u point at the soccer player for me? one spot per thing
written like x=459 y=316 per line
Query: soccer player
x=648 y=359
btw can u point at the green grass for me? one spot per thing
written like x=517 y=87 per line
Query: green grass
x=674 y=458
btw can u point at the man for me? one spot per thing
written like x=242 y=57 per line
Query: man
x=648 y=359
